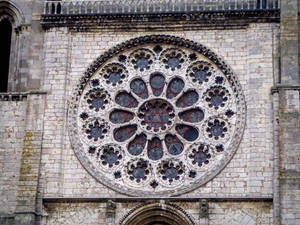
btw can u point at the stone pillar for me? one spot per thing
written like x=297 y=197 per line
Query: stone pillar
x=287 y=205
x=110 y=212
x=26 y=206
x=289 y=42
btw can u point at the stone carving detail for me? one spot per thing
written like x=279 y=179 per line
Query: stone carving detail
x=162 y=114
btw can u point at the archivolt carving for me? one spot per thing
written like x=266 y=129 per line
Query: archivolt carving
x=156 y=115
x=10 y=11
x=157 y=212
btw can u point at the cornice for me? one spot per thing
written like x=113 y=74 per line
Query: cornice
x=193 y=20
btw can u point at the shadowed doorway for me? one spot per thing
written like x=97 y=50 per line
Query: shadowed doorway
x=157 y=214
x=5 y=38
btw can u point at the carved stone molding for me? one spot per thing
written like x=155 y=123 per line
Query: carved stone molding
x=188 y=21
x=157 y=212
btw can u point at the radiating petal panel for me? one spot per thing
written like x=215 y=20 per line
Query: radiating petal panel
x=157 y=83
x=174 y=145
x=175 y=87
x=124 y=133
x=189 y=133
x=120 y=116
x=187 y=99
x=192 y=115
x=126 y=100
x=155 y=149
x=139 y=87
x=136 y=146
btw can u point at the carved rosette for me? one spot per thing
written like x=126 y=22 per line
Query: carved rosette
x=156 y=115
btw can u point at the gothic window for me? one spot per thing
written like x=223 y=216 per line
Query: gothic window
x=5 y=38
x=157 y=115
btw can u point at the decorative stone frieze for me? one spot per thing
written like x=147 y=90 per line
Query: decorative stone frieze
x=188 y=20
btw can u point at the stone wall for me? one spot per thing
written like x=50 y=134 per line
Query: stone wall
x=289 y=115
x=248 y=51
x=230 y=213
x=12 y=121
x=26 y=55
x=55 y=59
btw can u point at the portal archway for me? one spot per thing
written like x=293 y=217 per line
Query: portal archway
x=157 y=214
x=6 y=29
x=11 y=22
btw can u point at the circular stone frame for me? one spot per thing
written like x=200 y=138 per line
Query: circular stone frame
x=168 y=40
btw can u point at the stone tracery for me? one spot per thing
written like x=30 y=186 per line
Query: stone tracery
x=162 y=115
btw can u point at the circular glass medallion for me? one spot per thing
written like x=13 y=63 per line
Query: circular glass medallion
x=156 y=115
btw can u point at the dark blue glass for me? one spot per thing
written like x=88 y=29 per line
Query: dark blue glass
x=155 y=153
x=123 y=133
x=175 y=148
x=97 y=103
x=174 y=145
x=114 y=77
x=135 y=149
x=191 y=98
x=126 y=100
x=192 y=115
x=96 y=132
x=173 y=62
x=187 y=132
x=137 y=145
x=111 y=158
x=157 y=81
x=191 y=134
x=138 y=87
x=217 y=130
x=156 y=114
x=200 y=157
x=216 y=100
x=175 y=87
x=120 y=116
x=200 y=75
x=171 y=173
x=138 y=173
x=142 y=63
x=187 y=99
x=123 y=99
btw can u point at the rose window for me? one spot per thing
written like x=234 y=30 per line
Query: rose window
x=156 y=115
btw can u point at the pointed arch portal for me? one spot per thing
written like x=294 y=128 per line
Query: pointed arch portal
x=5 y=40
x=157 y=214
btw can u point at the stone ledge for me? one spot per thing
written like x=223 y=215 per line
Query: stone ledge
x=139 y=199
x=18 y=96
x=5 y=215
x=284 y=87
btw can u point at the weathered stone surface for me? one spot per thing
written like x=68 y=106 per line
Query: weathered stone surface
x=12 y=122
x=289 y=115
x=36 y=156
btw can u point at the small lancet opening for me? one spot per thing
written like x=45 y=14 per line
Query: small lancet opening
x=5 y=38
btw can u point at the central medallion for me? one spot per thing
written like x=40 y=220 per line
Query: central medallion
x=156 y=115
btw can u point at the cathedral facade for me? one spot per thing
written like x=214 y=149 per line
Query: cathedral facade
x=161 y=112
